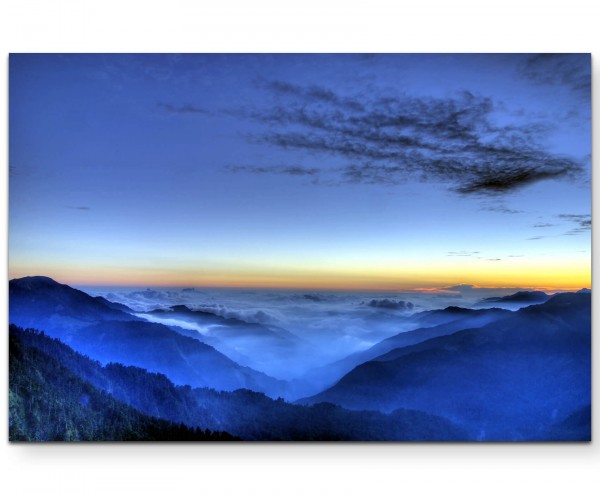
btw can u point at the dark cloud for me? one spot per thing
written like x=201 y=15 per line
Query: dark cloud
x=492 y=180
x=387 y=303
x=187 y=108
x=313 y=297
x=391 y=140
x=543 y=225
x=284 y=170
x=572 y=70
x=79 y=208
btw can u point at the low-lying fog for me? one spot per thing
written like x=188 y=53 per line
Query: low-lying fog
x=291 y=332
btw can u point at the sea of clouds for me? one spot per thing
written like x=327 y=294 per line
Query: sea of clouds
x=330 y=324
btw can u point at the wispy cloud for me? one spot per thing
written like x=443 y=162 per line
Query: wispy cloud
x=566 y=69
x=462 y=253
x=500 y=208
x=391 y=140
x=284 y=170
x=583 y=222
x=313 y=94
x=183 y=109
x=79 y=208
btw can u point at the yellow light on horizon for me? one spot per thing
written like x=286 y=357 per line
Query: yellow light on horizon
x=559 y=274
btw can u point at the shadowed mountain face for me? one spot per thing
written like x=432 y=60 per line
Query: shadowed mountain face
x=104 y=333
x=252 y=416
x=436 y=323
x=114 y=305
x=515 y=378
x=259 y=346
x=229 y=327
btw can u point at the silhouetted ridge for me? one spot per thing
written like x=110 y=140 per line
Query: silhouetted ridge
x=453 y=309
x=114 y=305
x=192 y=315
x=518 y=298
x=509 y=380
x=110 y=335
x=35 y=282
x=39 y=301
x=449 y=314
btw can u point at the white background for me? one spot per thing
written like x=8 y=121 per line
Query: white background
x=301 y=26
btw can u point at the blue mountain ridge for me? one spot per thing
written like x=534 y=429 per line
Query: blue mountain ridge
x=89 y=401
x=508 y=380
x=465 y=374
x=106 y=334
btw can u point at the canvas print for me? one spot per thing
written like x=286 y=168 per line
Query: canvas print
x=300 y=247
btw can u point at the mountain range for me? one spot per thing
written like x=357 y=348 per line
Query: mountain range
x=515 y=300
x=257 y=345
x=80 y=399
x=99 y=371
x=429 y=324
x=98 y=329
x=511 y=379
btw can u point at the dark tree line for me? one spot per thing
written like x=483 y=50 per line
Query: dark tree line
x=59 y=394
x=48 y=402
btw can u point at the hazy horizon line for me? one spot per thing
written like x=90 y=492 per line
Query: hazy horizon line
x=434 y=290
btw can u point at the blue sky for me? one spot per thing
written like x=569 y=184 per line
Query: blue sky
x=324 y=171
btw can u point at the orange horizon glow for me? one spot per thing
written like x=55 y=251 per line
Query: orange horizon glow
x=559 y=278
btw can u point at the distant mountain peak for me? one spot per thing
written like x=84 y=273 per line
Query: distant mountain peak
x=180 y=308
x=34 y=281
x=456 y=309
x=41 y=302
x=521 y=297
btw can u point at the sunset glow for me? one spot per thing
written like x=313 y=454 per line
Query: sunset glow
x=260 y=175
